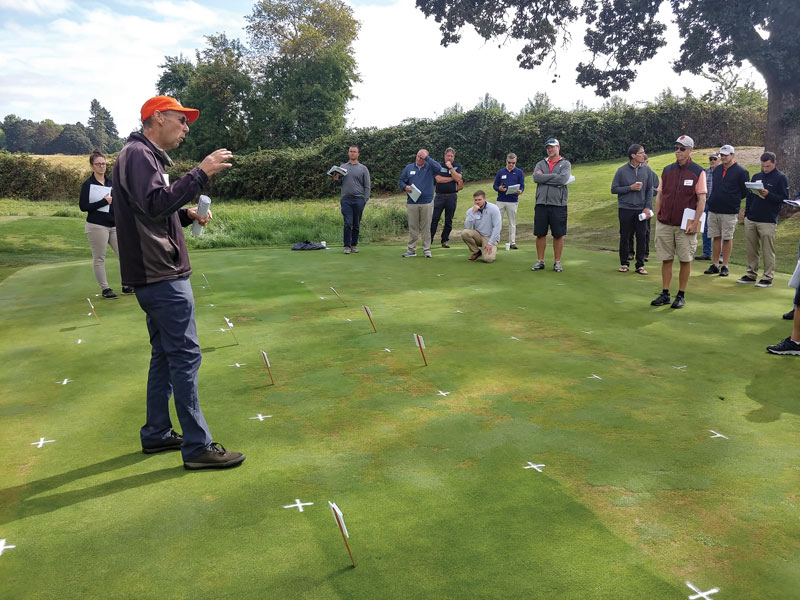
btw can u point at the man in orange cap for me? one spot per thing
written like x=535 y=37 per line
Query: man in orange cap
x=153 y=260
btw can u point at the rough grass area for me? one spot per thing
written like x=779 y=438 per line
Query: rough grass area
x=615 y=398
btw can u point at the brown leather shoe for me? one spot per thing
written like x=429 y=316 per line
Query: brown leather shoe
x=475 y=255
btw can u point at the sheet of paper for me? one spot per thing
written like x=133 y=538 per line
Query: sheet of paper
x=512 y=189
x=97 y=193
x=414 y=193
x=571 y=179
x=339 y=170
x=688 y=214
x=794 y=203
x=754 y=185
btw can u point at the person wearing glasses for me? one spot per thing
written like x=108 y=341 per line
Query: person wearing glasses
x=713 y=163
x=632 y=184
x=100 y=227
x=683 y=185
x=551 y=175
x=730 y=188
x=507 y=202
x=153 y=259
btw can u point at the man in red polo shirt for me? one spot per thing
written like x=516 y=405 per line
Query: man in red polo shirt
x=683 y=185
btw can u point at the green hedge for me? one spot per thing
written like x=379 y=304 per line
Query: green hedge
x=22 y=176
x=481 y=138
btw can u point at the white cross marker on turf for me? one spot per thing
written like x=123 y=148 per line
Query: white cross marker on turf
x=351 y=320
x=211 y=305
x=699 y=594
x=4 y=547
x=41 y=442
x=588 y=332
x=533 y=466
x=593 y=376
x=261 y=417
x=441 y=393
x=460 y=311
x=322 y=297
x=223 y=329
x=387 y=350
x=64 y=381
x=237 y=365
x=514 y=338
x=718 y=435
x=680 y=368
x=298 y=505
x=439 y=274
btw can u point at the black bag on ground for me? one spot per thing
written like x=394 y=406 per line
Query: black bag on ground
x=307 y=245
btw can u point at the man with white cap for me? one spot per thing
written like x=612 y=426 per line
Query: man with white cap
x=729 y=181
x=153 y=260
x=551 y=176
x=683 y=185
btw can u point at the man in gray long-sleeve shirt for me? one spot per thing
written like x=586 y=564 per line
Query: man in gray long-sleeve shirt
x=482 y=228
x=633 y=183
x=355 y=194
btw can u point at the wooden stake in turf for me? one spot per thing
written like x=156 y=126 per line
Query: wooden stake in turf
x=339 y=517
x=230 y=328
x=369 y=316
x=93 y=311
x=333 y=289
x=206 y=280
x=266 y=362
x=421 y=345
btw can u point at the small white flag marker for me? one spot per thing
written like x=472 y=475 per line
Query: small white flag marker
x=93 y=311
x=229 y=323
x=421 y=345
x=339 y=518
x=369 y=316
x=266 y=362
x=333 y=289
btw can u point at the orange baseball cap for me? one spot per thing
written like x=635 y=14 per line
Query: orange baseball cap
x=165 y=103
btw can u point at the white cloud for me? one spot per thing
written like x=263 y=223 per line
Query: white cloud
x=37 y=7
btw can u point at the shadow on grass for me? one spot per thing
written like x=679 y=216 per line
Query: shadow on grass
x=20 y=501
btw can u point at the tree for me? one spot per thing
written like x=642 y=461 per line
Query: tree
x=44 y=134
x=622 y=34
x=175 y=78
x=729 y=90
x=73 y=139
x=489 y=102
x=101 y=128
x=540 y=104
x=304 y=70
x=19 y=134
x=218 y=87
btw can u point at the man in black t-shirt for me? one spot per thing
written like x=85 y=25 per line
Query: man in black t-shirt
x=448 y=182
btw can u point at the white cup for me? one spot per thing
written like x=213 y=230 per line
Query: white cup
x=508 y=245
x=324 y=244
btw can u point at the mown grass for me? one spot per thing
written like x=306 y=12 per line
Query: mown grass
x=634 y=499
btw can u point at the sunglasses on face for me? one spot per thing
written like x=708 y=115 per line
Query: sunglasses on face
x=680 y=149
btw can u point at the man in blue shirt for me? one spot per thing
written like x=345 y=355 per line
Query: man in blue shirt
x=507 y=202
x=417 y=181
x=482 y=228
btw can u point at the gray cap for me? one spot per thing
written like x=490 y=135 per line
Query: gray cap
x=727 y=149
x=685 y=140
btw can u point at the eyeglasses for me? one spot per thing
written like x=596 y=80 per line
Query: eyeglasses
x=181 y=118
x=713 y=158
x=680 y=149
x=97 y=163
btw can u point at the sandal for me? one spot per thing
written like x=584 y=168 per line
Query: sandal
x=623 y=269
x=641 y=271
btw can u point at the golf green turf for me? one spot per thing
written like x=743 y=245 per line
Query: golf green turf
x=614 y=397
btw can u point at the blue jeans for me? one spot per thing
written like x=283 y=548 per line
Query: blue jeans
x=352 y=209
x=706 y=239
x=174 y=363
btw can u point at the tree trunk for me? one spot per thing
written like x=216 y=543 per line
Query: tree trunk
x=783 y=130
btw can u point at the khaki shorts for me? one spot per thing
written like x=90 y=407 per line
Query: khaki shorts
x=720 y=225
x=672 y=241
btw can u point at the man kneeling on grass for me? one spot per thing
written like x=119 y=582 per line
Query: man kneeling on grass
x=482 y=228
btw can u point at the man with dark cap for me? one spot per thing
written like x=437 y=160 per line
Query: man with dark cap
x=154 y=261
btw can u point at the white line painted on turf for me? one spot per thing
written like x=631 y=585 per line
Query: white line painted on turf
x=699 y=594
x=298 y=505
x=42 y=442
x=718 y=435
x=533 y=466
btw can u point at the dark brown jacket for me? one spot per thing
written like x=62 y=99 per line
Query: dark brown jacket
x=678 y=191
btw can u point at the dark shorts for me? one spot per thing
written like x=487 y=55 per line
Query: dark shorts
x=554 y=217
x=797 y=297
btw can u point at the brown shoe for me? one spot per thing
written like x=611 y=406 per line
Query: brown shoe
x=475 y=255
x=214 y=457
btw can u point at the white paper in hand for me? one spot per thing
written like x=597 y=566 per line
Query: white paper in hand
x=754 y=185
x=339 y=170
x=688 y=215
x=202 y=210
x=571 y=179
x=97 y=193
x=512 y=189
x=415 y=193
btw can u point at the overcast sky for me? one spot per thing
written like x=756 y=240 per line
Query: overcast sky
x=57 y=55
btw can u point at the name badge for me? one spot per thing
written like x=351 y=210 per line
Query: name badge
x=688 y=182
x=443 y=170
x=413 y=173
x=503 y=176
x=165 y=176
